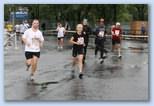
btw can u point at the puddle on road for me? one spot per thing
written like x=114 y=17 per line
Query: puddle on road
x=105 y=72
x=138 y=49
x=43 y=85
x=78 y=91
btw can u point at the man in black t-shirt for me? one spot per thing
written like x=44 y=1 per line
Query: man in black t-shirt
x=86 y=32
x=100 y=39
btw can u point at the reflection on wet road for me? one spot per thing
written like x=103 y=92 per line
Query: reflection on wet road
x=115 y=79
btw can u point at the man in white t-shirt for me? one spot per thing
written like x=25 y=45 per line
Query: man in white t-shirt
x=17 y=30
x=60 y=35
x=23 y=27
x=33 y=40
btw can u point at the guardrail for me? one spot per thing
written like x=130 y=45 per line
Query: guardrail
x=10 y=36
x=54 y=32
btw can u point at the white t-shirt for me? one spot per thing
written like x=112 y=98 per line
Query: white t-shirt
x=61 y=31
x=23 y=27
x=32 y=38
x=17 y=28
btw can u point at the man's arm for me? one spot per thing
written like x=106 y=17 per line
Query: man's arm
x=41 y=41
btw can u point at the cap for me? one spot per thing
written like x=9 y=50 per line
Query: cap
x=118 y=23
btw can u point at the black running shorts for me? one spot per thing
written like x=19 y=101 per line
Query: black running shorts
x=59 y=38
x=30 y=55
x=114 y=42
x=77 y=51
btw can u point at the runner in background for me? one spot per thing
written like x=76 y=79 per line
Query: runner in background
x=23 y=27
x=100 y=39
x=60 y=36
x=17 y=30
x=78 y=48
x=9 y=27
x=86 y=32
x=116 y=38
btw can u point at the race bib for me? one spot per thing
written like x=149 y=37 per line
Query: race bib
x=101 y=34
x=117 y=32
x=81 y=40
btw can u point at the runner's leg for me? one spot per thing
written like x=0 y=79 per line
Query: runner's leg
x=62 y=43
x=85 y=52
x=34 y=64
x=119 y=50
x=80 y=64
x=28 y=63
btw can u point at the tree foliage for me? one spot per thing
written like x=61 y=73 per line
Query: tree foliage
x=76 y=12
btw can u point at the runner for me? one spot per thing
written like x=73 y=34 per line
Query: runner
x=116 y=38
x=9 y=27
x=23 y=27
x=100 y=39
x=33 y=40
x=86 y=32
x=78 y=48
x=60 y=36
x=17 y=30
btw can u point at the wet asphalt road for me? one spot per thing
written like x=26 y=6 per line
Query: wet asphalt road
x=115 y=79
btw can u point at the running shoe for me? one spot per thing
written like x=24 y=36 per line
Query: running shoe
x=101 y=61
x=61 y=48
x=73 y=74
x=58 y=48
x=119 y=56
x=81 y=76
x=105 y=56
x=32 y=77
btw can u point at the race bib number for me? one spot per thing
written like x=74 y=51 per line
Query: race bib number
x=101 y=34
x=117 y=32
x=81 y=40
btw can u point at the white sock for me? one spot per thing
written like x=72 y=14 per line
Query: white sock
x=119 y=51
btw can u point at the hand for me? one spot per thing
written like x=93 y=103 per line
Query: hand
x=78 y=43
x=41 y=45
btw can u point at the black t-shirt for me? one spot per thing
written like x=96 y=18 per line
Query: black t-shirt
x=100 y=32
x=86 y=32
x=80 y=39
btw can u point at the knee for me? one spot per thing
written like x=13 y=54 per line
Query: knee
x=80 y=59
x=28 y=62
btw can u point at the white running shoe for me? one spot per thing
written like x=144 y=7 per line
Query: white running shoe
x=32 y=77
x=61 y=48
x=119 y=56
x=101 y=61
